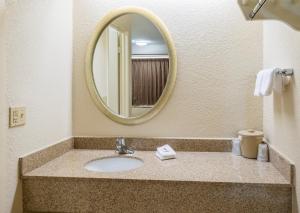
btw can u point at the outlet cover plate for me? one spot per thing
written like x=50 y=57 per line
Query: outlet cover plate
x=17 y=116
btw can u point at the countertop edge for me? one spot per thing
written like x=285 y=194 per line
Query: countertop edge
x=24 y=177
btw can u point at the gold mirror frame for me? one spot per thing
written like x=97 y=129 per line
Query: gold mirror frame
x=105 y=21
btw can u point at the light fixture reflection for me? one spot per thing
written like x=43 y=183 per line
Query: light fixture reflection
x=140 y=43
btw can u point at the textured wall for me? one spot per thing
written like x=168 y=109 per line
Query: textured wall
x=282 y=113
x=3 y=117
x=38 y=45
x=219 y=54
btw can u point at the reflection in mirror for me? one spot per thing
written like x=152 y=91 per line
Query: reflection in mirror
x=130 y=65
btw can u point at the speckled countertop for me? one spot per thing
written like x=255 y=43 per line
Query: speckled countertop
x=216 y=167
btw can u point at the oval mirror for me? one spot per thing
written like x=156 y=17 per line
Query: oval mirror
x=131 y=65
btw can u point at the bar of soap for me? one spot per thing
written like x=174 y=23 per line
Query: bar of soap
x=165 y=152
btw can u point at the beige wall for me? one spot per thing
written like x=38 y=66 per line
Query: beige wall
x=219 y=54
x=3 y=117
x=282 y=113
x=38 y=58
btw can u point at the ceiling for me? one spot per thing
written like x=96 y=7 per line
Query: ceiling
x=141 y=29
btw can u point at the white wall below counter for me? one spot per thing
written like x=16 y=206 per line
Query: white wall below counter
x=219 y=54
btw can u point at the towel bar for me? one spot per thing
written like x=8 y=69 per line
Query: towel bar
x=285 y=72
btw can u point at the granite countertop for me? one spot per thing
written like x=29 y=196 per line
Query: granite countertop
x=213 y=167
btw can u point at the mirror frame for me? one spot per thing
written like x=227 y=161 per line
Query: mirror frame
x=165 y=96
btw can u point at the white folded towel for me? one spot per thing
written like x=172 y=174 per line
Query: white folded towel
x=165 y=152
x=259 y=78
x=265 y=82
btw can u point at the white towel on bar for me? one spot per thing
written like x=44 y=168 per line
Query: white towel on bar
x=258 y=83
x=264 y=82
x=267 y=82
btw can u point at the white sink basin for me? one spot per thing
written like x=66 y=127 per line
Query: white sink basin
x=114 y=164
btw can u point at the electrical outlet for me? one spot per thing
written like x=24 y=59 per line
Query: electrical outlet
x=17 y=116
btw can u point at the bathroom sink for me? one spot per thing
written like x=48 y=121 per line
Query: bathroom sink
x=114 y=164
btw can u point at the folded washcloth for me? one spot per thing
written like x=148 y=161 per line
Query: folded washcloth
x=165 y=152
x=259 y=77
x=267 y=82
x=264 y=82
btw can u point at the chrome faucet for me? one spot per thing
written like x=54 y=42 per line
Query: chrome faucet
x=121 y=147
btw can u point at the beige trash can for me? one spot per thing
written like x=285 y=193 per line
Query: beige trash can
x=250 y=139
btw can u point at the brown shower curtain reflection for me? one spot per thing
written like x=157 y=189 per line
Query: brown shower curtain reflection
x=149 y=77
